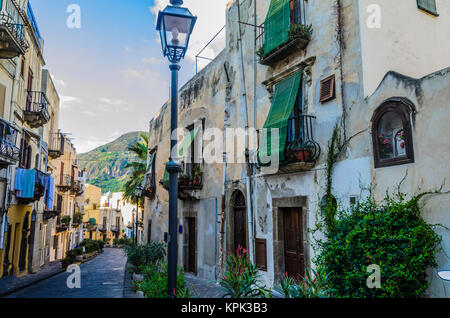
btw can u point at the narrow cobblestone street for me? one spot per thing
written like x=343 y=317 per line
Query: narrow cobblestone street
x=103 y=277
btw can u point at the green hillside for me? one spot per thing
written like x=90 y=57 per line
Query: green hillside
x=105 y=165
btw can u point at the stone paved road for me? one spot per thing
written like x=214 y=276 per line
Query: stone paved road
x=103 y=277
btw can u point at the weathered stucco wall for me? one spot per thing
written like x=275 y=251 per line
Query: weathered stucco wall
x=409 y=41
x=218 y=95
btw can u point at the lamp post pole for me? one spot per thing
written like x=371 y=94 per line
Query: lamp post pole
x=173 y=168
x=175 y=25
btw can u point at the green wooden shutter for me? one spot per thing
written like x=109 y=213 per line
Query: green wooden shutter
x=166 y=179
x=150 y=163
x=276 y=25
x=283 y=103
x=428 y=6
x=186 y=142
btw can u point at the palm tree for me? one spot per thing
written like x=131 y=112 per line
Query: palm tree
x=139 y=167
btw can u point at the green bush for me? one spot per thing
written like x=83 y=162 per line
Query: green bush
x=140 y=256
x=93 y=245
x=240 y=279
x=123 y=241
x=155 y=280
x=391 y=235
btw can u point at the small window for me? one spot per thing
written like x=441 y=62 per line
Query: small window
x=327 y=89
x=428 y=6
x=391 y=134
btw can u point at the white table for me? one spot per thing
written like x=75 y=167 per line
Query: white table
x=445 y=275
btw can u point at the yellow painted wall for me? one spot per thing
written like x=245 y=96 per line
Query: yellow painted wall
x=16 y=215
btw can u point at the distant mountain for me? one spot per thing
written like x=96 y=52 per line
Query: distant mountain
x=105 y=165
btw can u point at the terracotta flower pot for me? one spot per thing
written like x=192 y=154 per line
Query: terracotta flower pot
x=303 y=155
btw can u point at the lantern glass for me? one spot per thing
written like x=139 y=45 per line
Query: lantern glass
x=138 y=191
x=175 y=25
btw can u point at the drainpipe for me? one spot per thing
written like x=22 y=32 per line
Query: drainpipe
x=222 y=219
x=215 y=239
x=255 y=86
x=249 y=170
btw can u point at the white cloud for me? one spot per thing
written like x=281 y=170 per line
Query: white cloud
x=59 y=83
x=144 y=75
x=115 y=105
x=127 y=49
x=152 y=60
x=211 y=18
x=67 y=100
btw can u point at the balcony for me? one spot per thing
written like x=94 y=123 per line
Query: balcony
x=297 y=41
x=66 y=183
x=190 y=182
x=12 y=31
x=301 y=151
x=56 y=148
x=77 y=188
x=149 y=186
x=9 y=153
x=102 y=228
x=115 y=228
x=55 y=211
x=36 y=110
x=38 y=190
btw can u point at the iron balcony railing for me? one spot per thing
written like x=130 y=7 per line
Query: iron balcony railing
x=191 y=178
x=9 y=152
x=12 y=30
x=36 y=109
x=102 y=227
x=115 y=228
x=295 y=42
x=39 y=189
x=66 y=182
x=56 y=148
x=149 y=185
x=301 y=146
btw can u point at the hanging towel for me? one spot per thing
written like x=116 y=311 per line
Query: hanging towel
x=19 y=182
x=29 y=184
x=49 y=193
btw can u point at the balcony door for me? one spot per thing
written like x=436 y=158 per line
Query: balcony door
x=29 y=90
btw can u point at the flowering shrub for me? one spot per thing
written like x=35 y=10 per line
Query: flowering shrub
x=240 y=279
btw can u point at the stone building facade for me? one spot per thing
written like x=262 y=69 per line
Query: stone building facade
x=30 y=145
x=365 y=69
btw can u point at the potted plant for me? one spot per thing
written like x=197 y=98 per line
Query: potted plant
x=298 y=152
x=301 y=31
x=198 y=174
x=65 y=220
x=184 y=179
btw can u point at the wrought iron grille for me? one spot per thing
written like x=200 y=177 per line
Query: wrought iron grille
x=8 y=136
x=301 y=146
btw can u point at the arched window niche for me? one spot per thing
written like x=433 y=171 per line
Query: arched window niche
x=392 y=133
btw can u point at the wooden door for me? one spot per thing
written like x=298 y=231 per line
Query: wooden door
x=240 y=229
x=293 y=242
x=61 y=174
x=240 y=223
x=190 y=245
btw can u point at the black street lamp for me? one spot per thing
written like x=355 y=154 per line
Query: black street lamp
x=138 y=194
x=175 y=26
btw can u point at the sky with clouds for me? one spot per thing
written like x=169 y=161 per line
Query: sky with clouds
x=110 y=73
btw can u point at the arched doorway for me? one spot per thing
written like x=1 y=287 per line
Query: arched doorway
x=24 y=242
x=239 y=220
